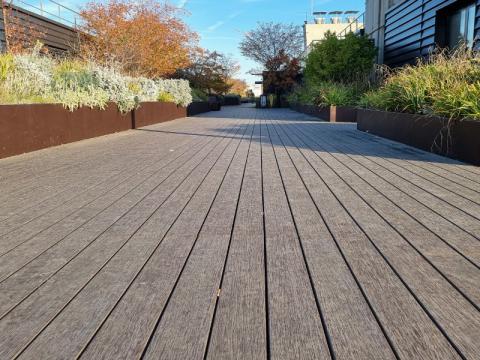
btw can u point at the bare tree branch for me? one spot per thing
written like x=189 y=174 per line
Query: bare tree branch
x=267 y=41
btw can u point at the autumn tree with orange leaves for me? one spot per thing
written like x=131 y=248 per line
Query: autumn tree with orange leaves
x=146 y=38
x=238 y=86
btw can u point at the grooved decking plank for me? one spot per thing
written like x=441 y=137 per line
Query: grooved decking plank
x=353 y=329
x=458 y=317
x=129 y=167
x=239 y=325
x=409 y=328
x=443 y=198
x=48 y=301
x=129 y=211
x=451 y=234
x=62 y=188
x=149 y=266
x=75 y=176
x=451 y=213
x=456 y=268
x=201 y=278
x=457 y=195
x=95 y=216
x=424 y=158
x=294 y=320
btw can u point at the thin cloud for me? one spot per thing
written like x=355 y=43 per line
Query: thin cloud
x=220 y=23
x=215 y=26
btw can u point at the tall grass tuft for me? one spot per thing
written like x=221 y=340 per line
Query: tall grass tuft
x=446 y=84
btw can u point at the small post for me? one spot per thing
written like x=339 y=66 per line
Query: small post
x=5 y=25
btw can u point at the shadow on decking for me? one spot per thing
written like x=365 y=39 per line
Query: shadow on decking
x=337 y=134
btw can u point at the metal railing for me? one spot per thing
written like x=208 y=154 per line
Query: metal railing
x=353 y=27
x=50 y=9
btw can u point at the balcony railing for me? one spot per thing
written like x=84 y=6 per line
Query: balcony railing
x=50 y=9
x=355 y=26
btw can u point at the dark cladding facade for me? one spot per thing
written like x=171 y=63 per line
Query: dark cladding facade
x=56 y=36
x=406 y=30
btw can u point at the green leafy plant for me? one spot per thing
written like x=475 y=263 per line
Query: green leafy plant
x=6 y=65
x=327 y=94
x=343 y=60
x=198 y=95
x=165 y=97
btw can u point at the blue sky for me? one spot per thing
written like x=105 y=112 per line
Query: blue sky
x=221 y=23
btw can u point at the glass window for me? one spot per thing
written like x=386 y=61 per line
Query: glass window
x=461 y=27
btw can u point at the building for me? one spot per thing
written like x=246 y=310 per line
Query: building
x=404 y=30
x=335 y=21
x=57 y=31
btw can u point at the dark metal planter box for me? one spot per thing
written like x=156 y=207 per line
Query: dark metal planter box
x=198 y=107
x=149 y=113
x=25 y=128
x=425 y=132
x=332 y=113
x=231 y=100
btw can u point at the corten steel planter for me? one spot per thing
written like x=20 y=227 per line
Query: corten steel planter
x=322 y=113
x=425 y=132
x=25 y=128
x=231 y=100
x=328 y=113
x=343 y=114
x=198 y=107
x=149 y=113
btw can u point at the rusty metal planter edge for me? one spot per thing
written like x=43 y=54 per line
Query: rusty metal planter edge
x=30 y=127
x=460 y=140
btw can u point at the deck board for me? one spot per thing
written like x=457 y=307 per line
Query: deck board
x=123 y=192
x=352 y=327
x=444 y=303
x=243 y=233
x=295 y=323
x=239 y=325
x=447 y=261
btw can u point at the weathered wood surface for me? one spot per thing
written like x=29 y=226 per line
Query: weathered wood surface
x=240 y=234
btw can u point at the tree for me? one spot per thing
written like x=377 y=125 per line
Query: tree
x=210 y=71
x=238 y=86
x=283 y=74
x=340 y=60
x=146 y=38
x=265 y=42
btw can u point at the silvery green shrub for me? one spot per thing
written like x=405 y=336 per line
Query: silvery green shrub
x=116 y=86
x=33 y=78
x=148 y=89
x=179 y=89
x=74 y=86
x=30 y=75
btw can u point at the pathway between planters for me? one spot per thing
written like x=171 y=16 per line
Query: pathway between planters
x=242 y=234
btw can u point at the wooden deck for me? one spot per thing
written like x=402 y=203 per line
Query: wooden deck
x=247 y=234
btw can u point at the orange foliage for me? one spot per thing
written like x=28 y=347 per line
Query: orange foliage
x=238 y=86
x=147 y=38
